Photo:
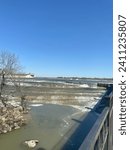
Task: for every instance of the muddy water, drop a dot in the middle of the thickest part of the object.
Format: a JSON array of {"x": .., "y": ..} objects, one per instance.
[{"x": 48, "y": 124}]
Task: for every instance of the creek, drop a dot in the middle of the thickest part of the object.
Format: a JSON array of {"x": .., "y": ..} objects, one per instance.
[{"x": 48, "y": 123}]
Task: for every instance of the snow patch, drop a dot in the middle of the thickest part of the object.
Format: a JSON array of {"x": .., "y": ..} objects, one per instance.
[
  {"x": 81, "y": 108},
  {"x": 84, "y": 85}
]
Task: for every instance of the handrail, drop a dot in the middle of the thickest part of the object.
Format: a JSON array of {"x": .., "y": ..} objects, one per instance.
[
  {"x": 94, "y": 133},
  {"x": 99, "y": 137}
]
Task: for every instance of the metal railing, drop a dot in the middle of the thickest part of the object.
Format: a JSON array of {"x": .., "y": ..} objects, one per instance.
[{"x": 100, "y": 136}]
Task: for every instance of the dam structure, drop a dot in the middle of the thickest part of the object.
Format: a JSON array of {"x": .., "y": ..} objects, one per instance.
[{"x": 70, "y": 112}]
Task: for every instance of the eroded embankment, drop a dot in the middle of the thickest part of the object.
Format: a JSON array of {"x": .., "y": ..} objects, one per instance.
[{"x": 11, "y": 118}]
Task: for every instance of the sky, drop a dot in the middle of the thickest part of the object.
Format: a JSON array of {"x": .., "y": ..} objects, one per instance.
[{"x": 59, "y": 37}]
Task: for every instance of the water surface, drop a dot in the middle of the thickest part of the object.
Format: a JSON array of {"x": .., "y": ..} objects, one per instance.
[{"x": 48, "y": 124}]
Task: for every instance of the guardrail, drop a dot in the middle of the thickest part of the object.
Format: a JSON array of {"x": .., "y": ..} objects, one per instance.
[{"x": 100, "y": 136}]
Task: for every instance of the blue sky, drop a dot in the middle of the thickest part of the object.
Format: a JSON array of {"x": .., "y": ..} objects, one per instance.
[{"x": 59, "y": 37}]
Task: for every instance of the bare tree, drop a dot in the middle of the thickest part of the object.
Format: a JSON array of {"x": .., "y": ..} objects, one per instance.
[
  {"x": 20, "y": 92},
  {"x": 9, "y": 66}
]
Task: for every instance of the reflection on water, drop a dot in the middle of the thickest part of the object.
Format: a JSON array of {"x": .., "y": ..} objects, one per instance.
[{"x": 48, "y": 124}]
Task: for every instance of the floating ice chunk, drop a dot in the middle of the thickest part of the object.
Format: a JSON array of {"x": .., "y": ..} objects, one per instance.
[{"x": 36, "y": 105}]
